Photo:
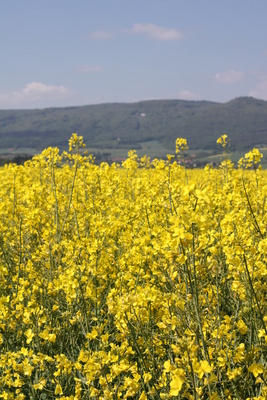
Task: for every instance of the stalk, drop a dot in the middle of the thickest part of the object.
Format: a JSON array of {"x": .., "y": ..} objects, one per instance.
[
  {"x": 70, "y": 200},
  {"x": 254, "y": 294},
  {"x": 252, "y": 212},
  {"x": 54, "y": 188},
  {"x": 196, "y": 306}
]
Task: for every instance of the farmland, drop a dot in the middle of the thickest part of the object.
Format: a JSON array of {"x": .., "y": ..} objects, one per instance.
[{"x": 140, "y": 280}]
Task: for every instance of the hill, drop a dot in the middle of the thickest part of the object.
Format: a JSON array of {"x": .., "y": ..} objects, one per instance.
[{"x": 124, "y": 126}]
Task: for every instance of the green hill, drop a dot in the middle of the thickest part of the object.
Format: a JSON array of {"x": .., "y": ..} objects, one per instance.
[{"x": 146, "y": 125}]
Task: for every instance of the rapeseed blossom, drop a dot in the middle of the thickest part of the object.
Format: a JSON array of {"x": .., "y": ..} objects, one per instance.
[{"x": 130, "y": 281}]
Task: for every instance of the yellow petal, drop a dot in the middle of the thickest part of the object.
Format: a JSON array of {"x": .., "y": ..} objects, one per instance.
[
  {"x": 177, "y": 382},
  {"x": 205, "y": 366},
  {"x": 256, "y": 369}
]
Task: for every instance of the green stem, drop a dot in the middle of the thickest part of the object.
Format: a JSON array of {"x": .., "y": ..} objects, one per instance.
[
  {"x": 251, "y": 211},
  {"x": 70, "y": 200},
  {"x": 55, "y": 193},
  {"x": 196, "y": 306},
  {"x": 254, "y": 294}
]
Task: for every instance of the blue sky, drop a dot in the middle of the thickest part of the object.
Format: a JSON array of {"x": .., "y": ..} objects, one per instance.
[{"x": 57, "y": 53}]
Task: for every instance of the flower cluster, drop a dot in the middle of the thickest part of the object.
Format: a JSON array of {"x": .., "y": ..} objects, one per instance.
[
  {"x": 251, "y": 159},
  {"x": 180, "y": 145},
  {"x": 130, "y": 281},
  {"x": 223, "y": 141}
]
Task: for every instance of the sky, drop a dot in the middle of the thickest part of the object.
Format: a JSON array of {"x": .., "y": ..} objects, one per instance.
[{"x": 57, "y": 53}]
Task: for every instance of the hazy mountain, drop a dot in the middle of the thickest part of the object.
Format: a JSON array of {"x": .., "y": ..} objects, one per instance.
[{"x": 128, "y": 125}]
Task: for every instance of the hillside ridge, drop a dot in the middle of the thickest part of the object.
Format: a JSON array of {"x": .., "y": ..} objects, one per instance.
[{"x": 128, "y": 125}]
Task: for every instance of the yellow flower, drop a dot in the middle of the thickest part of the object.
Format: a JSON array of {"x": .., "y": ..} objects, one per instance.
[
  {"x": 242, "y": 327},
  {"x": 256, "y": 369},
  {"x": 170, "y": 157},
  {"x": 147, "y": 377},
  {"x": 106, "y": 268},
  {"x": 201, "y": 368},
  {"x": 40, "y": 385},
  {"x": 223, "y": 140},
  {"x": 92, "y": 335},
  {"x": 75, "y": 142},
  {"x": 27, "y": 367},
  {"x": 143, "y": 396},
  {"x": 178, "y": 378},
  {"x": 58, "y": 389},
  {"x": 180, "y": 144},
  {"x": 233, "y": 373},
  {"x": 50, "y": 337},
  {"x": 168, "y": 366},
  {"x": 29, "y": 334}
]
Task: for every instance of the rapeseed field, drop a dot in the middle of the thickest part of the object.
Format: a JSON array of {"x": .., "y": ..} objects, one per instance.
[{"x": 135, "y": 281}]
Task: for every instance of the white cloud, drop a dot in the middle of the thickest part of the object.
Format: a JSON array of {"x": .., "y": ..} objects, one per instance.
[
  {"x": 88, "y": 69},
  {"x": 103, "y": 35},
  {"x": 157, "y": 32},
  {"x": 38, "y": 89},
  {"x": 231, "y": 76},
  {"x": 260, "y": 92},
  {"x": 153, "y": 31},
  {"x": 34, "y": 94},
  {"x": 188, "y": 95}
]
